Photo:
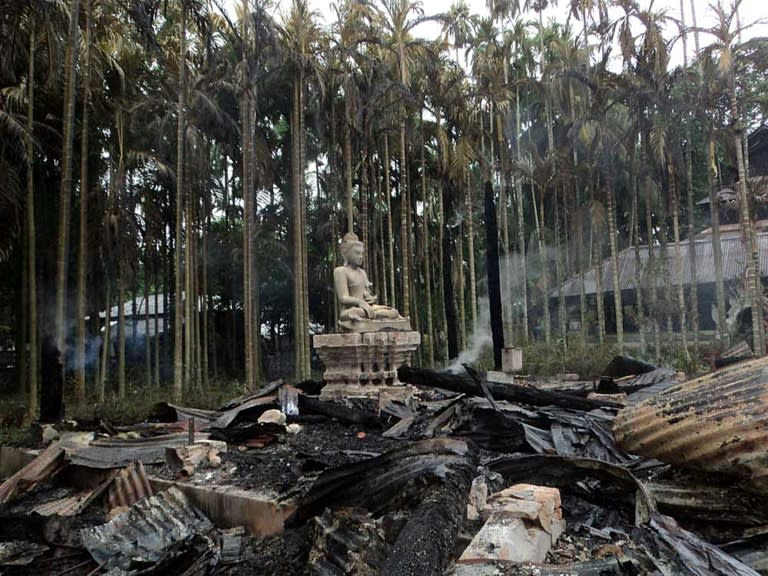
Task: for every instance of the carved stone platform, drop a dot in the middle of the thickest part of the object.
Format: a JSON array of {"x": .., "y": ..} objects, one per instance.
[{"x": 362, "y": 364}]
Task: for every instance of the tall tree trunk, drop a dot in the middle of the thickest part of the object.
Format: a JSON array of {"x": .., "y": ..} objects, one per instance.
[
  {"x": 717, "y": 249},
  {"x": 612, "y": 233},
  {"x": 754, "y": 285},
  {"x": 562, "y": 321},
  {"x": 597, "y": 262},
  {"x": 521, "y": 222},
  {"x": 248, "y": 191},
  {"x": 538, "y": 214},
  {"x": 190, "y": 300},
  {"x": 445, "y": 351},
  {"x": 390, "y": 229},
  {"x": 65, "y": 192},
  {"x": 82, "y": 253},
  {"x": 21, "y": 320},
  {"x": 298, "y": 317},
  {"x": 430, "y": 344},
  {"x": 652, "y": 276},
  {"x": 471, "y": 252},
  {"x": 156, "y": 363},
  {"x": 460, "y": 290},
  {"x": 106, "y": 343},
  {"x": 33, "y": 404},
  {"x": 301, "y": 333},
  {"x": 452, "y": 326},
  {"x": 178, "y": 336},
  {"x": 121, "y": 387},
  {"x": 404, "y": 209},
  {"x": 506, "y": 276},
  {"x": 678, "y": 260},
  {"x": 205, "y": 301},
  {"x": 349, "y": 204},
  {"x": 694, "y": 283},
  {"x": 636, "y": 245},
  {"x": 492, "y": 270},
  {"x": 304, "y": 249},
  {"x": 147, "y": 330}
]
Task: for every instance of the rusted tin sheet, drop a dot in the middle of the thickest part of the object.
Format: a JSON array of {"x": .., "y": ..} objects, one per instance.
[
  {"x": 261, "y": 513},
  {"x": 117, "y": 453},
  {"x": 13, "y": 459},
  {"x": 76, "y": 503},
  {"x": 718, "y": 422},
  {"x": 129, "y": 486},
  {"x": 44, "y": 466}
]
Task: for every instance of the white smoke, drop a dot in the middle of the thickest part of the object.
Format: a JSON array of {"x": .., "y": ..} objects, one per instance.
[{"x": 479, "y": 340}]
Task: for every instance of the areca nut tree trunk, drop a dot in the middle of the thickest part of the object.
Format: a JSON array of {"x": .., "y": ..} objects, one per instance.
[
  {"x": 717, "y": 252},
  {"x": 612, "y": 244},
  {"x": 679, "y": 281},
  {"x": 247, "y": 186},
  {"x": 65, "y": 191},
  {"x": 82, "y": 255},
  {"x": 178, "y": 336},
  {"x": 33, "y": 406}
]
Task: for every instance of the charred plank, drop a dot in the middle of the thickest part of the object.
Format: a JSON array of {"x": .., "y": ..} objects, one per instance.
[{"x": 464, "y": 383}]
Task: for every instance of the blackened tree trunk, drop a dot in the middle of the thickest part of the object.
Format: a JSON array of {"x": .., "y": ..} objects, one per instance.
[
  {"x": 494, "y": 281},
  {"x": 451, "y": 316},
  {"x": 52, "y": 374}
]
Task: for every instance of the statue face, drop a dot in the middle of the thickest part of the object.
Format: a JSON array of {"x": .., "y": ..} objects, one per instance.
[{"x": 355, "y": 255}]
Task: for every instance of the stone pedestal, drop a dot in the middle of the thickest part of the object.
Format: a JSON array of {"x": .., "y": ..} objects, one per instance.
[
  {"x": 511, "y": 362},
  {"x": 363, "y": 364}
]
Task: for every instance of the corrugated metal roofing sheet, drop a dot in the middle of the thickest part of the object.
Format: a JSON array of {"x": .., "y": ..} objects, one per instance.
[
  {"x": 666, "y": 262},
  {"x": 117, "y": 453},
  {"x": 718, "y": 422},
  {"x": 142, "y": 535},
  {"x": 129, "y": 486},
  {"x": 44, "y": 466}
]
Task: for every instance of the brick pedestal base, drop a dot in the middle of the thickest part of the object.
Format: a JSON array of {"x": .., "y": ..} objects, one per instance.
[{"x": 356, "y": 363}]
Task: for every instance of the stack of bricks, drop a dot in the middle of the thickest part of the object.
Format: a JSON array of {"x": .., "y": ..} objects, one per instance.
[{"x": 524, "y": 521}]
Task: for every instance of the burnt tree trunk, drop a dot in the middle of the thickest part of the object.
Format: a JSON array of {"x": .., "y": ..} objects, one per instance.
[
  {"x": 451, "y": 316},
  {"x": 494, "y": 280},
  {"x": 464, "y": 383}
]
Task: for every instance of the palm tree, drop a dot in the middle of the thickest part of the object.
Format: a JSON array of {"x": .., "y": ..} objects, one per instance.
[
  {"x": 301, "y": 37},
  {"x": 179, "y": 364},
  {"x": 82, "y": 255},
  {"x": 725, "y": 35},
  {"x": 400, "y": 19},
  {"x": 31, "y": 264},
  {"x": 65, "y": 190}
]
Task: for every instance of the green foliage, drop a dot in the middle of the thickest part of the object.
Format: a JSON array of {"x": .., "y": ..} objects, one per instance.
[
  {"x": 139, "y": 401},
  {"x": 587, "y": 359}
]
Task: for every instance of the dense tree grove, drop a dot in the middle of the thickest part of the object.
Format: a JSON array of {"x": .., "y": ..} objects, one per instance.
[{"x": 198, "y": 160}]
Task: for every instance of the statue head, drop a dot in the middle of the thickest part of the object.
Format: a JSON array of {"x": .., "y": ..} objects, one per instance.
[{"x": 352, "y": 249}]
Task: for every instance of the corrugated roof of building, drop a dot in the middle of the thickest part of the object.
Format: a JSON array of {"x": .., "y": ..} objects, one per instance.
[
  {"x": 718, "y": 422},
  {"x": 666, "y": 261}
]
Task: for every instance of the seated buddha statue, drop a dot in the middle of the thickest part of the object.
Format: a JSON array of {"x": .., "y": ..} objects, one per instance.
[{"x": 358, "y": 307}]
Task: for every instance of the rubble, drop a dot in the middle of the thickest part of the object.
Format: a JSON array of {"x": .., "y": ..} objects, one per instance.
[
  {"x": 525, "y": 521},
  {"x": 157, "y": 531},
  {"x": 185, "y": 460},
  {"x": 461, "y": 481}
]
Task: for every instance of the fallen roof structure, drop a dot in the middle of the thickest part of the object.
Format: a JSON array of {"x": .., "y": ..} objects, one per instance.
[{"x": 362, "y": 487}]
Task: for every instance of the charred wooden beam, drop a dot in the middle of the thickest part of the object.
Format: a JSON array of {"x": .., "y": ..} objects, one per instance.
[
  {"x": 425, "y": 544},
  {"x": 338, "y": 411},
  {"x": 463, "y": 383},
  {"x": 375, "y": 482}
]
